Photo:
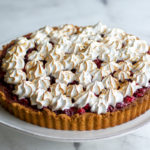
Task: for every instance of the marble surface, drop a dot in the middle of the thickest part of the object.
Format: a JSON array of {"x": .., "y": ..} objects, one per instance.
[{"x": 20, "y": 17}]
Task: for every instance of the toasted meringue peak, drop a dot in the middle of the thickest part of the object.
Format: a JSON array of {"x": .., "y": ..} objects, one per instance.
[
  {"x": 41, "y": 98},
  {"x": 52, "y": 67},
  {"x": 36, "y": 71},
  {"x": 109, "y": 67},
  {"x": 142, "y": 78},
  {"x": 125, "y": 65},
  {"x": 122, "y": 75},
  {"x": 14, "y": 76},
  {"x": 142, "y": 66},
  {"x": 71, "y": 61},
  {"x": 12, "y": 62},
  {"x": 129, "y": 88},
  {"x": 34, "y": 55},
  {"x": 60, "y": 102},
  {"x": 84, "y": 78},
  {"x": 84, "y": 98},
  {"x": 74, "y": 90},
  {"x": 58, "y": 89},
  {"x": 24, "y": 89},
  {"x": 87, "y": 65},
  {"x": 42, "y": 82},
  {"x": 110, "y": 82},
  {"x": 97, "y": 75},
  {"x": 98, "y": 106},
  {"x": 65, "y": 77},
  {"x": 111, "y": 97},
  {"x": 95, "y": 87}
]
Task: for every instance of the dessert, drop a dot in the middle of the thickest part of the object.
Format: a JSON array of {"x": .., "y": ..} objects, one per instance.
[{"x": 76, "y": 78}]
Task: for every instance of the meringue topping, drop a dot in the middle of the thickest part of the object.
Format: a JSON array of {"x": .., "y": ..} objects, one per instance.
[{"x": 69, "y": 53}]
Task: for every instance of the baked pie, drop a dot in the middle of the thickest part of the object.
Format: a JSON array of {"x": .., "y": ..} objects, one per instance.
[{"x": 76, "y": 78}]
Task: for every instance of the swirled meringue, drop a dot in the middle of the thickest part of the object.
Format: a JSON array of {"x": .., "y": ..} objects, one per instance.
[
  {"x": 95, "y": 87},
  {"x": 53, "y": 67},
  {"x": 36, "y": 71},
  {"x": 41, "y": 98},
  {"x": 24, "y": 42},
  {"x": 74, "y": 90},
  {"x": 12, "y": 62},
  {"x": 113, "y": 43},
  {"x": 44, "y": 48},
  {"x": 84, "y": 78},
  {"x": 35, "y": 56},
  {"x": 42, "y": 82},
  {"x": 87, "y": 97},
  {"x": 122, "y": 75},
  {"x": 58, "y": 89},
  {"x": 140, "y": 46},
  {"x": 65, "y": 77},
  {"x": 87, "y": 65},
  {"x": 117, "y": 33},
  {"x": 14, "y": 76},
  {"x": 110, "y": 82},
  {"x": 129, "y": 88},
  {"x": 98, "y": 106},
  {"x": 108, "y": 55},
  {"x": 111, "y": 97},
  {"x": 60, "y": 102},
  {"x": 24, "y": 89},
  {"x": 142, "y": 78},
  {"x": 39, "y": 36},
  {"x": 142, "y": 66},
  {"x": 125, "y": 65},
  {"x": 18, "y": 50},
  {"x": 71, "y": 61},
  {"x": 109, "y": 67},
  {"x": 97, "y": 75}
]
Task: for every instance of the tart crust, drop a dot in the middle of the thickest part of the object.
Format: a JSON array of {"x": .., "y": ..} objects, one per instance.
[{"x": 87, "y": 121}]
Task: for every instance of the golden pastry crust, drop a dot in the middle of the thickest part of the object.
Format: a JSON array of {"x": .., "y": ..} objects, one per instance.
[{"x": 87, "y": 121}]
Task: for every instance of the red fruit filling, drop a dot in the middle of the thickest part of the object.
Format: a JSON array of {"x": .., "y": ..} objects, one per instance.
[
  {"x": 28, "y": 52},
  {"x": 98, "y": 62},
  {"x": 140, "y": 92},
  {"x": 119, "y": 105},
  {"x": 74, "y": 82},
  {"x": 52, "y": 79},
  {"x": 87, "y": 107},
  {"x": 24, "y": 101},
  {"x": 129, "y": 99},
  {"x": 73, "y": 70},
  {"x": 81, "y": 111},
  {"x": 110, "y": 108}
]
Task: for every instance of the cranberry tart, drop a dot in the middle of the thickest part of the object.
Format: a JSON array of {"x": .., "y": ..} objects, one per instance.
[{"x": 75, "y": 78}]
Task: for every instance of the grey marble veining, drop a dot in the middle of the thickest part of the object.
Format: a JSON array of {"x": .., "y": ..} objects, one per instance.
[{"x": 18, "y": 17}]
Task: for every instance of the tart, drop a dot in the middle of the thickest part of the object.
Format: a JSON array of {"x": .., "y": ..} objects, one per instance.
[{"x": 75, "y": 78}]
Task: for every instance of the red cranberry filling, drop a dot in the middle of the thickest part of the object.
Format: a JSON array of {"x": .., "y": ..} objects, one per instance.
[
  {"x": 110, "y": 108},
  {"x": 24, "y": 101},
  {"x": 81, "y": 111},
  {"x": 98, "y": 62},
  {"x": 73, "y": 70},
  {"x": 140, "y": 92},
  {"x": 74, "y": 82},
  {"x": 119, "y": 105},
  {"x": 52, "y": 79},
  {"x": 129, "y": 99},
  {"x": 28, "y": 52}
]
